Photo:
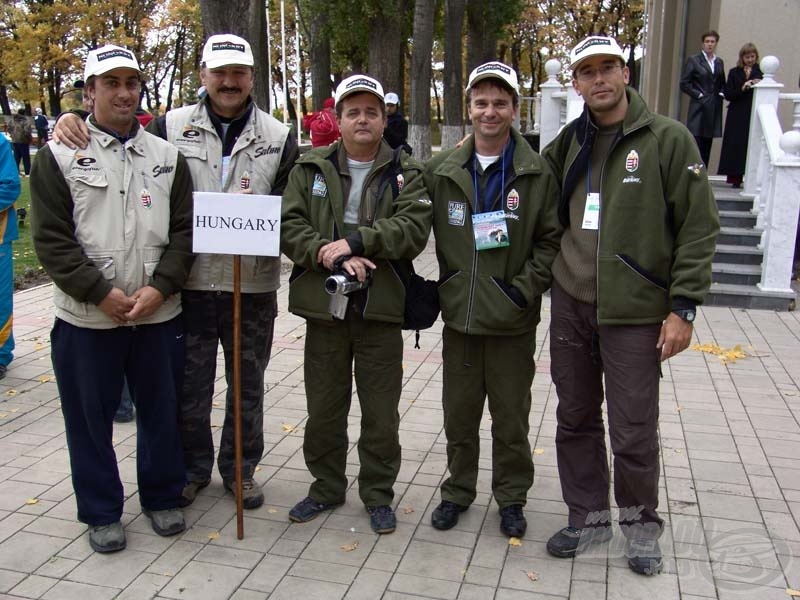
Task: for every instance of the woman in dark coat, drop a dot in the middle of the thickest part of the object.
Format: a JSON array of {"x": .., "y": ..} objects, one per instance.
[{"x": 739, "y": 92}]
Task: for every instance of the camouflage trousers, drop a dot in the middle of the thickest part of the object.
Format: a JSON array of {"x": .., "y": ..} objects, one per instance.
[{"x": 208, "y": 320}]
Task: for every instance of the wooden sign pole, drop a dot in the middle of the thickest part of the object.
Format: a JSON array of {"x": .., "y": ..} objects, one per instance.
[{"x": 237, "y": 391}]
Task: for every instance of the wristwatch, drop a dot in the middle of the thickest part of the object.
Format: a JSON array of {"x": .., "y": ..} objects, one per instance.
[{"x": 687, "y": 314}]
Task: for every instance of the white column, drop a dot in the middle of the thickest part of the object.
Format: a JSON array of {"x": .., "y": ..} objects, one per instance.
[
  {"x": 765, "y": 92},
  {"x": 549, "y": 117}
]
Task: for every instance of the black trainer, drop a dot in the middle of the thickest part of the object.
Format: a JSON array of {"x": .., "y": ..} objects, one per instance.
[
  {"x": 308, "y": 509},
  {"x": 445, "y": 516},
  {"x": 512, "y": 520},
  {"x": 571, "y": 541},
  {"x": 644, "y": 556},
  {"x": 382, "y": 519}
]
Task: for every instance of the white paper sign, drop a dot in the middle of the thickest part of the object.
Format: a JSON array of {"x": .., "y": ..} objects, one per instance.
[{"x": 247, "y": 224}]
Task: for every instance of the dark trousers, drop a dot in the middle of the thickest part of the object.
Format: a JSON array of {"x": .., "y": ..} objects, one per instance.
[
  {"x": 208, "y": 320},
  {"x": 582, "y": 354},
  {"x": 334, "y": 352},
  {"x": 89, "y": 365},
  {"x": 23, "y": 152},
  {"x": 500, "y": 368},
  {"x": 704, "y": 145}
]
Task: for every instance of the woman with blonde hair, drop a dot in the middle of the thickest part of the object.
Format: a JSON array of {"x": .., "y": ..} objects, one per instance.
[{"x": 739, "y": 93}]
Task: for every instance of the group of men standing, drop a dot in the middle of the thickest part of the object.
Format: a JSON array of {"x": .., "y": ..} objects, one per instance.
[{"x": 617, "y": 211}]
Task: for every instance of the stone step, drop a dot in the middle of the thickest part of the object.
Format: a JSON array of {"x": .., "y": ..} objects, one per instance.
[
  {"x": 737, "y": 218},
  {"x": 748, "y": 296},
  {"x": 733, "y": 202},
  {"x": 738, "y": 236},
  {"x": 735, "y": 273},
  {"x": 735, "y": 254}
]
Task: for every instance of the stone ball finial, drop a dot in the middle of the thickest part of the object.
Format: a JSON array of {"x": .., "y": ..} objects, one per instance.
[
  {"x": 790, "y": 144},
  {"x": 552, "y": 67},
  {"x": 769, "y": 66}
]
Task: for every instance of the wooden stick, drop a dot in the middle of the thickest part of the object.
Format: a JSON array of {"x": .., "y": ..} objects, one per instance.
[{"x": 237, "y": 391}]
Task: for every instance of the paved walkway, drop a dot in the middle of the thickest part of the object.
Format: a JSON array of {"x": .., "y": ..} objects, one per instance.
[{"x": 730, "y": 489}]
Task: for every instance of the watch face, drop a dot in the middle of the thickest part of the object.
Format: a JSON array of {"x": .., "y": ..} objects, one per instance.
[{"x": 689, "y": 315}]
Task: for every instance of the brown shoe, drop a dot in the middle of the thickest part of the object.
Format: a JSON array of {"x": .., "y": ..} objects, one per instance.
[
  {"x": 252, "y": 496},
  {"x": 189, "y": 492}
]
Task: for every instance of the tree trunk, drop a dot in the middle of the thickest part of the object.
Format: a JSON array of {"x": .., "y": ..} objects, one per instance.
[
  {"x": 247, "y": 19},
  {"x": 385, "y": 38},
  {"x": 320, "y": 55},
  {"x": 453, "y": 84},
  {"x": 5, "y": 107},
  {"x": 481, "y": 42},
  {"x": 419, "y": 135}
]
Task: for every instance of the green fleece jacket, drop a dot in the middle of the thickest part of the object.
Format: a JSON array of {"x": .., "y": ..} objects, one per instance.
[
  {"x": 391, "y": 233},
  {"x": 496, "y": 291},
  {"x": 658, "y": 218}
]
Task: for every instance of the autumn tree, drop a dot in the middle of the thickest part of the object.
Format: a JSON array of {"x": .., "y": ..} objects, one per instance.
[{"x": 419, "y": 133}]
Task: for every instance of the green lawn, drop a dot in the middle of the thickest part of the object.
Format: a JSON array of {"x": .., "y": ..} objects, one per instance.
[{"x": 26, "y": 265}]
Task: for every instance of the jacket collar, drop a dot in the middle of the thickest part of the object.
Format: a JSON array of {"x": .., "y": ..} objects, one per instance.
[
  {"x": 525, "y": 160},
  {"x": 106, "y": 136}
]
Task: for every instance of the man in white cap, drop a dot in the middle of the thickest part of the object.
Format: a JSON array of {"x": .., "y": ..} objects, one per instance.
[
  {"x": 230, "y": 146},
  {"x": 396, "y": 131},
  {"x": 357, "y": 208},
  {"x": 496, "y": 230},
  {"x": 112, "y": 226},
  {"x": 640, "y": 227}
]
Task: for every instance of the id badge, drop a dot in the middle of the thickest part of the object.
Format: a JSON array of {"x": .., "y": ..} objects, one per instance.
[
  {"x": 490, "y": 230},
  {"x": 591, "y": 214},
  {"x": 226, "y": 165}
]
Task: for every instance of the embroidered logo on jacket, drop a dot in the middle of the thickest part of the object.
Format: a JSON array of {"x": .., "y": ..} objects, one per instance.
[
  {"x": 147, "y": 200},
  {"x": 512, "y": 200},
  {"x": 401, "y": 181},
  {"x": 632, "y": 161}
]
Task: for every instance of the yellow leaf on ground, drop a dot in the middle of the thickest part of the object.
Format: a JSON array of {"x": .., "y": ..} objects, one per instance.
[
  {"x": 287, "y": 428},
  {"x": 213, "y": 535},
  {"x": 678, "y": 450},
  {"x": 350, "y": 547},
  {"x": 39, "y": 347},
  {"x": 272, "y": 511},
  {"x": 408, "y": 510},
  {"x": 515, "y": 541},
  {"x": 726, "y": 355},
  {"x": 793, "y": 593},
  {"x": 215, "y": 403},
  {"x": 532, "y": 575},
  {"x": 257, "y": 469},
  {"x": 538, "y": 451},
  {"x": 46, "y": 378},
  {"x": 3, "y": 415},
  {"x": 11, "y": 393},
  {"x": 32, "y": 501}
]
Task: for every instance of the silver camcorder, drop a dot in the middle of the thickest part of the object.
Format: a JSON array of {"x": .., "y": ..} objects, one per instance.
[{"x": 339, "y": 285}]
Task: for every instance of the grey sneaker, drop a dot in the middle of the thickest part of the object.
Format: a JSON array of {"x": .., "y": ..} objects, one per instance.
[
  {"x": 252, "y": 496},
  {"x": 107, "y": 538},
  {"x": 166, "y": 522},
  {"x": 189, "y": 492}
]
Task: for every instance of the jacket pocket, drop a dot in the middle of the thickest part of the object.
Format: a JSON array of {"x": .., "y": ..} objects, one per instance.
[
  {"x": 642, "y": 272},
  {"x": 106, "y": 265},
  {"x": 150, "y": 259},
  {"x": 628, "y": 294}
]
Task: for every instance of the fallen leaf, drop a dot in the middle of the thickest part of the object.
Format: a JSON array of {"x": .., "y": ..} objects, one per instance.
[
  {"x": 3, "y": 415},
  {"x": 46, "y": 378},
  {"x": 793, "y": 593},
  {"x": 678, "y": 450},
  {"x": 515, "y": 541},
  {"x": 257, "y": 468},
  {"x": 272, "y": 511},
  {"x": 11, "y": 393},
  {"x": 215, "y": 403},
  {"x": 538, "y": 451},
  {"x": 287, "y": 428},
  {"x": 13, "y": 410},
  {"x": 39, "y": 347},
  {"x": 213, "y": 535},
  {"x": 680, "y": 408},
  {"x": 726, "y": 355},
  {"x": 532, "y": 575},
  {"x": 350, "y": 547},
  {"x": 408, "y": 510},
  {"x": 32, "y": 501},
  {"x": 168, "y": 574}
]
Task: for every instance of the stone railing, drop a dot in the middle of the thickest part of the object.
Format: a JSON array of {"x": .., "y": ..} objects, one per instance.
[
  {"x": 558, "y": 106},
  {"x": 772, "y": 178}
]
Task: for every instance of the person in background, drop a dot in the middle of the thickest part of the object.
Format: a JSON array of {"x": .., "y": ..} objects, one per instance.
[
  {"x": 703, "y": 80},
  {"x": 41, "y": 124},
  {"x": 21, "y": 137},
  {"x": 396, "y": 132},
  {"x": 739, "y": 94},
  {"x": 322, "y": 125},
  {"x": 9, "y": 192},
  {"x": 112, "y": 226}
]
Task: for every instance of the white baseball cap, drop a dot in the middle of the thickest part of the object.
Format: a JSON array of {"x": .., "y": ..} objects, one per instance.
[
  {"x": 358, "y": 83},
  {"x": 227, "y": 49},
  {"x": 109, "y": 57},
  {"x": 494, "y": 70},
  {"x": 594, "y": 45},
  {"x": 392, "y": 98}
]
